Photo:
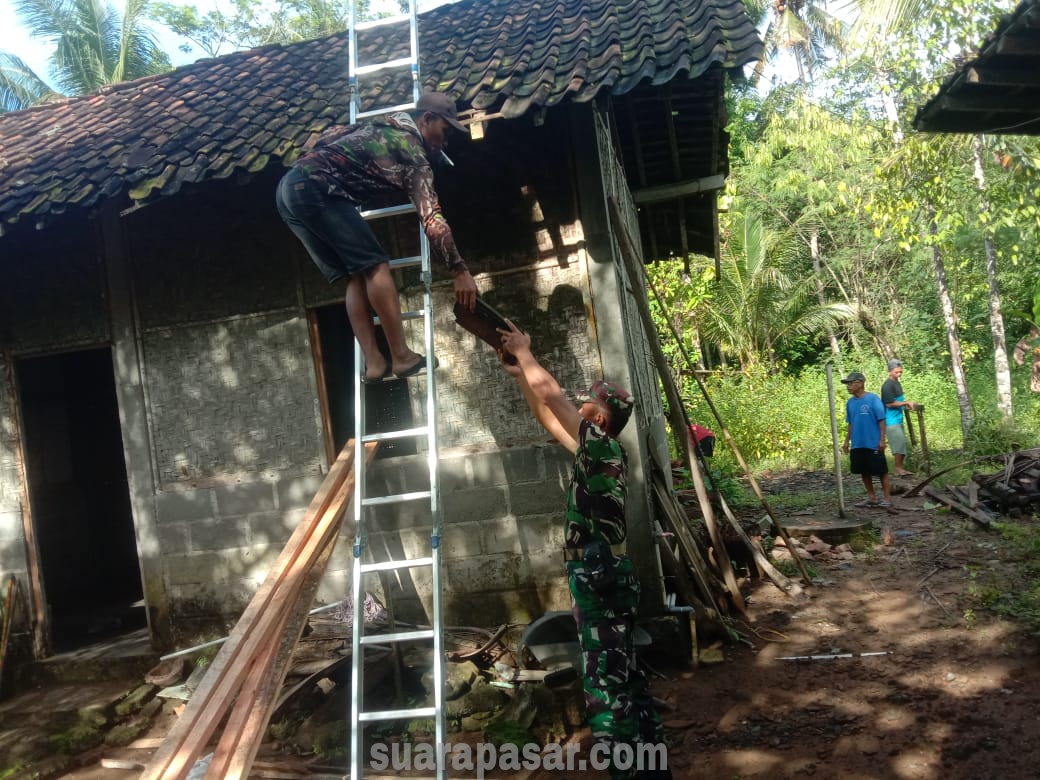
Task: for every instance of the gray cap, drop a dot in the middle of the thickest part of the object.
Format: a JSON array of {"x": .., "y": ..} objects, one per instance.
[
  {"x": 893, "y": 363},
  {"x": 443, "y": 106}
]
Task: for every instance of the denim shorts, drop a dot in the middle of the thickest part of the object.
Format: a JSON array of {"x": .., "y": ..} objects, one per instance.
[{"x": 335, "y": 235}]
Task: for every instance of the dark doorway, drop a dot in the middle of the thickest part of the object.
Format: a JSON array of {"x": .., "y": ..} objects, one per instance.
[
  {"x": 79, "y": 497},
  {"x": 386, "y": 405}
]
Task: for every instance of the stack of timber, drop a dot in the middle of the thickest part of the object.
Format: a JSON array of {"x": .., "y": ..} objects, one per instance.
[
  {"x": 243, "y": 681},
  {"x": 1017, "y": 485},
  {"x": 1014, "y": 488}
]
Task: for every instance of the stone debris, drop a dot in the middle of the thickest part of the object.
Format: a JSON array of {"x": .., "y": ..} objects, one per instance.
[{"x": 815, "y": 549}]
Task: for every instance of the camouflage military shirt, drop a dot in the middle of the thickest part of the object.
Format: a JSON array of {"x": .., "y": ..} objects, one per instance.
[
  {"x": 361, "y": 161},
  {"x": 596, "y": 499}
]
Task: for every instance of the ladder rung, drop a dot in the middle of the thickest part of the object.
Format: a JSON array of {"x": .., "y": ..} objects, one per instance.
[
  {"x": 386, "y": 110},
  {"x": 418, "y": 314},
  {"x": 417, "y": 712},
  {"x": 395, "y": 565},
  {"x": 399, "y": 498},
  {"x": 406, "y": 262},
  {"x": 388, "y": 211},
  {"x": 397, "y": 636},
  {"x": 400, "y": 62},
  {"x": 369, "y": 24},
  {"x": 408, "y": 433}
]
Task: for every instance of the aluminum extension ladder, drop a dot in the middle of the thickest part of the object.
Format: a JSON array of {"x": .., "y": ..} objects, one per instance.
[{"x": 359, "y": 716}]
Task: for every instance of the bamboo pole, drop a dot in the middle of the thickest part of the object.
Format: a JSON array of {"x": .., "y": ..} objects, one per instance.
[
  {"x": 834, "y": 440},
  {"x": 675, "y": 412},
  {"x": 725, "y": 431}
]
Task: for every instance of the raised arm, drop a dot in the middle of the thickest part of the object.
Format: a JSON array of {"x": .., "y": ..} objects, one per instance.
[{"x": 540, "y": 389}]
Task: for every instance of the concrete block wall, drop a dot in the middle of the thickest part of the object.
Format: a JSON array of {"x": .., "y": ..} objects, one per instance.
[
  {"x": 503, "y": 535},
  {"x": 218, "y": 543}
]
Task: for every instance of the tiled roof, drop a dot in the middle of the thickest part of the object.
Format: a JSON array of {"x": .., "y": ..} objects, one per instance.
[{"x": 248, "y": 110}]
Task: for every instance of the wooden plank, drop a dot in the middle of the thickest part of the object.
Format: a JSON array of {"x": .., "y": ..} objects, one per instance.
[
  {"x": 177, "y": 754},
  {"x": 947, "y": 500},
  {"x": 691, "y": 552},
  {"x": 251, "y": 713},
  {"x": 260, "y": 707}
]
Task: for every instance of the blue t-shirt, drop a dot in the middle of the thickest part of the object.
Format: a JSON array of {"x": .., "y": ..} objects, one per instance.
[{"x": 863, "y": 415}]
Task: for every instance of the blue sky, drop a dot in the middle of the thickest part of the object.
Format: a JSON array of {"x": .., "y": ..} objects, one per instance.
[{"x": 15, "y": 39}]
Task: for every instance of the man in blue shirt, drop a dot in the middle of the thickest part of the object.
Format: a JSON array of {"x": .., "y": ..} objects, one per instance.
[{"x": 865, "y": 439}]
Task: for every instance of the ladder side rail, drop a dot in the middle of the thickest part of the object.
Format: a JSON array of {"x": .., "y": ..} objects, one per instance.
[
  {"x": 353, "y": 89},
  {"x": 413, "y": 39},
  {"x": 436, "y": 530},
  {"x": 357, "y": 589}
]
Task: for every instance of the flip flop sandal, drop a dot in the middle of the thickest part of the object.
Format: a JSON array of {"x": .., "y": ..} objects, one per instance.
[
  {"x": 884, "y": 504},
  {"x": 418, "y": 368},
  {"x": 377, "y": 380},
  {"x": 866, "y": 503}
]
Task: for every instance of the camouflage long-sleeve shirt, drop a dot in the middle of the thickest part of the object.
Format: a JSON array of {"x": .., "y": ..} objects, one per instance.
[
  {"x": 596, "y": 499},
  {"x": 373, "y": 158}
]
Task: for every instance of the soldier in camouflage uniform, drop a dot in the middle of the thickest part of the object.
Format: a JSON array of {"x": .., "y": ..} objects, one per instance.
[
  {"x": 319, "y": 199},
  {"x": 604, "y": 586}
]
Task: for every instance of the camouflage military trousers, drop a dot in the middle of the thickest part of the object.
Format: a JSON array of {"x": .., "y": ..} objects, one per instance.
[{"x": 618, "y": 705}]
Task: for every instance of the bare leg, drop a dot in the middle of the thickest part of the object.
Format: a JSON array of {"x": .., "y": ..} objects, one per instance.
[
  {"x": 381, "y": 293},
  {"x": 886, "y": 487},
  {"x": 359, "y": 313},
  {"x": 868, "y": 483},
  {"x": 900, "y": 471}
]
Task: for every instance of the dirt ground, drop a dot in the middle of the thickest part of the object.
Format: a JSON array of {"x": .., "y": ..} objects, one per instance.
[{"x": 956, "y": 693}]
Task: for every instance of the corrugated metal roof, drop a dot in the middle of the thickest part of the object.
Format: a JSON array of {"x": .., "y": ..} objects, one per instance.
[{"x": 251, "y": 109}]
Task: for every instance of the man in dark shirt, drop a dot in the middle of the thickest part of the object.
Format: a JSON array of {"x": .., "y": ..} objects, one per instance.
[
  {"x": 319, "y": 199},
  {"x": 604, "y": 586},
  {"x": 895, "y": 402}
]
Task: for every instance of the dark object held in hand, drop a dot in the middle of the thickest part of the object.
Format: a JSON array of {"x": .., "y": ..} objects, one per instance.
[{"x": 484, "y": 324}]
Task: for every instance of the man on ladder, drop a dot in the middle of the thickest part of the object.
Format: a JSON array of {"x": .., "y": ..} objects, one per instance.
[{"x": 319, "y": 198}]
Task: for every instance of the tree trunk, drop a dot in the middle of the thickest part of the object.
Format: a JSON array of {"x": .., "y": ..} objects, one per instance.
[
  {"x": 952, "y": 339},
  {"x": 996, "y": 315},
  {"x": 814, "y": 250}
]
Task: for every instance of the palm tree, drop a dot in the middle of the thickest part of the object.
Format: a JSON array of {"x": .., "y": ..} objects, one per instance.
[
  {"x": 757, "y": 305},
  {"x": 802, "y": 28},
  {"x": 93, "y": 46}
]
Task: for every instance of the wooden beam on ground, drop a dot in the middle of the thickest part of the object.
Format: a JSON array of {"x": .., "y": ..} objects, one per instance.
[
  {"x": 208, "y": 705},
  {"x": 948, "y": 500}
]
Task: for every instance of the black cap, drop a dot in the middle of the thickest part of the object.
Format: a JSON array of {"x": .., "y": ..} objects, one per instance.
[{"x": 443, "y": 106}]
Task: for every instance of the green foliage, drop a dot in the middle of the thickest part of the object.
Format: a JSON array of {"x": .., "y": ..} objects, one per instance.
[
  {"x": 94, "y": 45},
  {"x": 251, "y": 23},
  {"x": 782, "y": 420}
]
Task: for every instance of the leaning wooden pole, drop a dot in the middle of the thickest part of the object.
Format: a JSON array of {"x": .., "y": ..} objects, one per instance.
[
  {"x": 675, "y": 413},
  {"x": 732, "y": 444}
]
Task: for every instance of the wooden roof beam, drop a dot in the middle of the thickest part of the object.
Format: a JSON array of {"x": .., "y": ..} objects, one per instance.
[
  {"x": 679, "y": 189},
  {"x": 1003, "y": 76}
]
